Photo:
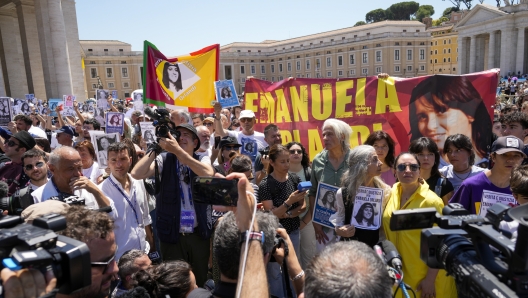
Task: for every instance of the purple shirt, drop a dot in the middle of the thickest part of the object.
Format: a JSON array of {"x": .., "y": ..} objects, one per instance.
[
  {"x": 388, "y": 177},
  {"x": 470, "y": 192}
]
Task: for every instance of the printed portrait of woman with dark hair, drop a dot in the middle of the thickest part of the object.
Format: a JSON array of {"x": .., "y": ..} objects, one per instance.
[
  {"x": 172, "y": 78},
  {"x": 441, "y": 106}
]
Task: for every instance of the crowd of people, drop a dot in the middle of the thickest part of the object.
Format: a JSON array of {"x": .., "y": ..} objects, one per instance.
[{"x": 148, "y": 238}]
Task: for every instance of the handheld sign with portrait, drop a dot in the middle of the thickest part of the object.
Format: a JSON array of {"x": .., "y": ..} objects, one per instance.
[
  {"x": 137, "y": 96},
  {"x": 367, "y": 208},
  {"x": 114, "y": 94},
  {"x": 114, "y": 122},
  {"x": 325, "y": 204},
  {"x": 100, "y": 97},
  {"x": 52, "y": 105},
  {"x": 148, "y": 132},
  {"x": 68, "y": 105},
  {"x": 5, "y": 111},
  {"x": 30, "y": 98},
  {"x": 101, "y": 142},
  {"x": 490, "y": 198},
  {"x": 226, "y": 93}
]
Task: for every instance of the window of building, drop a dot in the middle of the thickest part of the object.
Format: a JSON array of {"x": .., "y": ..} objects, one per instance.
[
  {"x": 106, "y": 50},
  {"x": 124, "y": 72},
  {"x": 409, "y": 43},
  {"x": 298, "y": 65},
  {"x": 365, "y": 58},
  {"x": 281, "y": 78},
  {"x": 121, "y": 50},
  {"x": 92, "y": 62},
  {"x": 397, "y": 68},
  {"x": 352, "y": 59},
  {"x": 449, "y": 41},
  {"x": 126, "y": 85},
  {"x": 253, "y": 69},
  {"x": 243, "y": 80},
  {"x": 263, "y": 78},
  {"x": 108, "y": 62},
  {"x": 328, "y": 74},
  {"x": 273, "y": 79},
  {"x": 454, "y": 68},
  {"x": 288, "y": 67},
  {"x": 94, "y": 86},
  {"x": 307, "y": 75},
  {"x": 436, "y": 42},
  {"x": 272, "y": 68},
  {"x": 340, "y": 73},
  {"x": 364, "y": 47},
  {"x": 396, "y": 43},
  {"x": 378, "y": 69},
  {"x": 262, "y": 69},
  {"x": 352, "y": 72},
  {"x": 378, "y": 45},
  {"x": 449, "y": 51},
  {"x": 317, "y": 64},
  {"x": 436, "y": 61},
  {"x": 317, "y": 75},
  {"x": 422, "y": 54},
  {"x": 444, "y": 60},
  {"x": 444, "y": 51},
  {"x": 409, "y": 54},
  {"x": 409, "y": 67},
  {"x": 422, "y": 67},
  {"x": 111, "y": 85},
  {"x": 448, "y": 59},
  {"x": 242, "y": 69},
  {"x": 339, "y": 60},
  {"x": 109, "y": 73},
  {"x": 90, "y": 50},
  {"x": 280, "y": 67},
  {"x": 123, "y": 62},
  {"x": 364, "y": 71},
  {"x": 378, "y": 56},
  {"x": 328, "y": 61},
  {"x": 397, "y": 55},
  {"x": 445, "y": 42},
  {"x": 308, "y": 64}
]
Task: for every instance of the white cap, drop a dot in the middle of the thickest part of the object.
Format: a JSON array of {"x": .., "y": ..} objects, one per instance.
[{"x": 246, "y": 114}]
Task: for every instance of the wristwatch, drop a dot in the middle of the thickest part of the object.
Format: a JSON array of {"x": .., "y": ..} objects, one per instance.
[{"x": 259, "y": 236}]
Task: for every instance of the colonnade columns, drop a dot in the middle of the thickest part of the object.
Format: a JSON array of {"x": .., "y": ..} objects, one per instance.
[
  {"x": 2, "y": 86},
  {"x": 472, "y": 53},
  {"x": 506, "y": 44},
  {"x": 491, "y": 50},
  {"x": 59, "y": 48},
  {"x": 14, "y": 72},
  {"x": 519, "y": 60},
  {"x": 30, "y": 48},
  {"x": 74, "y": 47}
]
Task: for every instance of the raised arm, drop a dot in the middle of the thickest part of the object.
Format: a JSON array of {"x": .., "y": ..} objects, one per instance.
[
  {"x": 199, "y": 168},
  {"x": 79, "y": 114},
  {"x": 144, "y": 168},
  {"x": 219, "y": 130}
]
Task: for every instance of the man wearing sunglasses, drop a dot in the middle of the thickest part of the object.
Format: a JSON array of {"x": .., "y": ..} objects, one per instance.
[
  {"x": 35, "y": 166},
  {"x": 11, "y": 172}
]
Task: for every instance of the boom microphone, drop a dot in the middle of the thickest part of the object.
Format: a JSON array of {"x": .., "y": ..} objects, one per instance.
[
  {"x": 150, "y": 112},
  {"x": 391, "y": 254}
]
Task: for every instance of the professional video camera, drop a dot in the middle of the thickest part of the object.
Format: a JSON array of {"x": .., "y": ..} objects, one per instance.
[
  {"x": 462, "y": 245},
  {"x": 36, "y": 245},
  {"x": 161, "y": 122}
]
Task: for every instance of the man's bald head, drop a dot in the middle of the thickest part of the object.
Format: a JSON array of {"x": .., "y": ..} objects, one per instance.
[
  {"x": 63, "y": 153},
  {"x": 180, "y": 117}
]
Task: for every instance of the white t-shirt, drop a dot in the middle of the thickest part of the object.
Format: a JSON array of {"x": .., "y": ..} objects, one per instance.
[
  {"x": 93, "y": 172},
  {"x": 457, "y": 179},
  {"x": 54, "y": 143},
  {"x": 250, "y": 144}
]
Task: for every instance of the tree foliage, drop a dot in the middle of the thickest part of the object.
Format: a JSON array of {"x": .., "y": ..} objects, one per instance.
[
  {"x": 402, "y": 10},
  {"x": 359, "y": 23},
  {"x": 440, "y": 21},
  {"x": 447, "y": 12},
  {"x": 424, "y": 11},
  {"x": 375, "y": 15}
]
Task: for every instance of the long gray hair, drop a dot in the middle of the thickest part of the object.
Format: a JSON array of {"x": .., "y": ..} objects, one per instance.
[{"x": 358, "y": 162}]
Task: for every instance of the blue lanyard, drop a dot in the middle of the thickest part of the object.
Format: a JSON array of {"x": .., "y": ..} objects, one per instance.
[
  {"x": 59, "y": 193},
  {"x": 182, "y": 197},
  {"x": 126, "y": 198}
]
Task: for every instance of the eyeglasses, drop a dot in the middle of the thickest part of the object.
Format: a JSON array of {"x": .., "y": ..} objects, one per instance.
[
  {"x": 104, "y": 264},
  {"x": 10, "y": 143},
  {"x": 295, "y": 151},
  {"x": 244, "y": 120},
  {"x": 402, "y": 167},
  {"x": 38, "y": 165},
  {"x": 208, "y": 124},
  {"x": 230, "y": 147}
]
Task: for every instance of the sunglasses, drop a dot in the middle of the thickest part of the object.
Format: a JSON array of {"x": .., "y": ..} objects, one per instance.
[
  {"x": 38, "y": 165},
  {"x": 230, "y": 147},
  {"x": 10, "y": 143},
  {"x": 402, "y": 167},
  {"x": 208, "y": 124},
  {"x": 104, "y": 264},
  {"x": 295, "y": 151}
]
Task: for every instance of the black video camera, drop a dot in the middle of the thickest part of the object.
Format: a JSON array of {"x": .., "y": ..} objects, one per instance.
[
  {"x": 462, "y": 245},
  {"x": 16, "y": 203},
  {"x": 162, "y": 122},
  {"x": 37, "y": 246}
]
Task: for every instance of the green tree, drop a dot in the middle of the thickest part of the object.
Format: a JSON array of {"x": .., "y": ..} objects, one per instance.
[
  {"x": 402, "y": 10},
  {"x": 375, "y": 15},
  {"x": 447, "y": 12},
  {"x": 440, "y": 21},
  {"x": 424, "y": 11},
  {"x": 359, "y": 23}
]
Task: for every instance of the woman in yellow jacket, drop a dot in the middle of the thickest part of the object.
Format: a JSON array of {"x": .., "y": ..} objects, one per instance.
[{"x": 412, "y": 192}]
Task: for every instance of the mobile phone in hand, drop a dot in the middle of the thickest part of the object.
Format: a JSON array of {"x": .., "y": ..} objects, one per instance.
[
  {"x": 215, "y": 191},
  {"x": 217, "y": 142}
]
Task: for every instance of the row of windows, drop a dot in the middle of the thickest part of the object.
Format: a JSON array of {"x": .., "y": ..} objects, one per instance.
[
  {"x": 445, "y": 60},
  {"x": 422, "y": 43},
  {"x": 111, "y": 85},
  {"x": 445, "y": 41},
  {"x": 109, "y": 72},
  {"x": 340, "y": 73},
  {"x": 446, "y": 51},
  {"x": 340, "y": 62},
  {"x": 108, "y": 62}
]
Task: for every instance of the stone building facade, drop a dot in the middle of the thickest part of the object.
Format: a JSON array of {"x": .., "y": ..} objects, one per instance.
[{"x": 39, "y": 49}]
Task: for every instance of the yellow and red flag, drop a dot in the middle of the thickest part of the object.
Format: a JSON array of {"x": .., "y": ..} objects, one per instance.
[{"x": 185, "y": 81}]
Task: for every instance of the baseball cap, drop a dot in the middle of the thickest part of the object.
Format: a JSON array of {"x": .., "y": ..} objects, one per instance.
[
  {"x": 508, "y": 144},
  {"x": 193, "y": 130},
  {"x": 66, "y": 129},
  {"x": 246, "y": 114},
  {"x": 25, "y": 139},
  {"x": 229, "y": 141}
]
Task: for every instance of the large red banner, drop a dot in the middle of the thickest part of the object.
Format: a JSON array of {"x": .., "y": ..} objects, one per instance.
[{"x": 431, "y": 106}]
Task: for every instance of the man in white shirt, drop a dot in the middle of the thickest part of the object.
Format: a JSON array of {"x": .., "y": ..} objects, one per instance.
[
  {"x": 66, "y": 165},
  {"x": 132, "y": 222},
  {"x": 252, "y": 141}
]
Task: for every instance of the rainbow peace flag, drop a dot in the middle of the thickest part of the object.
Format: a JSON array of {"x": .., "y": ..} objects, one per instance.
[{"x": 182, "y": 82}]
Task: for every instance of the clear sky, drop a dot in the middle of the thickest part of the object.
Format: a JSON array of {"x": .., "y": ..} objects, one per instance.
[{"x": 178, "y": 27}]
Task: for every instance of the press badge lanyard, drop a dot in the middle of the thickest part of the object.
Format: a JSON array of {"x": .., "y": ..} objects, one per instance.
[{"x": 127, "y": 199}]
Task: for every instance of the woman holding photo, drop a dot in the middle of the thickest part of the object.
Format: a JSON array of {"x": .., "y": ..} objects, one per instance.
[
  {"x": 364, "y": 169},
  {"x": 412, "y": 192}
]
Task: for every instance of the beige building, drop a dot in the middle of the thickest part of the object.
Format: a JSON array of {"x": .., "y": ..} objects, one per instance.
[
  {"x": 399, "y": 48},
  {"x": 39, "y": 49},
  {"x": 113, "y": 65}
]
